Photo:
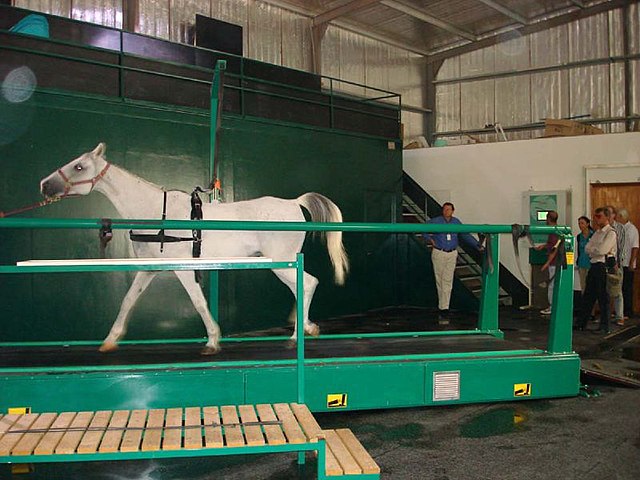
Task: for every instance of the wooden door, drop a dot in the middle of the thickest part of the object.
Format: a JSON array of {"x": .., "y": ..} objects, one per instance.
[{"x": 621, "y": 195}]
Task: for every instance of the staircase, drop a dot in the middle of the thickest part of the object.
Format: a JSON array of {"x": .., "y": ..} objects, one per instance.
[{"x": 418, "y": 206}]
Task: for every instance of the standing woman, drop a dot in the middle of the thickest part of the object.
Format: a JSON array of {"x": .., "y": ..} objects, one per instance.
[{"x": 583, "y": 261}]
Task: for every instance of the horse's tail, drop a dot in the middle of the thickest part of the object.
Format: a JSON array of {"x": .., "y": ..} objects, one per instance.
[{"x": 324, "y": 210}]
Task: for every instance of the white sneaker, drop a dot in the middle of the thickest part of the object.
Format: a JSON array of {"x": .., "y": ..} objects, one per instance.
[{"x": 546, "y": 311}]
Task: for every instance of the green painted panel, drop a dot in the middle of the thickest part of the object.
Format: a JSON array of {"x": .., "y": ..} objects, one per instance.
[
  {"x": 169, "y": 146},
  {"x": 493, "y": 379},
  {"x": 118, "y": 390}
]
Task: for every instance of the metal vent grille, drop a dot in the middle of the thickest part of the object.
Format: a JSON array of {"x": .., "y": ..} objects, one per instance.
[{"x": 446, "y": 386}]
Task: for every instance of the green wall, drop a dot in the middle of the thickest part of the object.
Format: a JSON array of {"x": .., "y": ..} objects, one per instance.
[{"x": 169, "y": 146}]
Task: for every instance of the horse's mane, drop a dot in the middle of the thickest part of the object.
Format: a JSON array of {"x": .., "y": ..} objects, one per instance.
[{"x": 144, "y": 180}]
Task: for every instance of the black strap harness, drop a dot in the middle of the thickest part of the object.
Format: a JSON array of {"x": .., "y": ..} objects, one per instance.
[{"x": 161, "y": 237}]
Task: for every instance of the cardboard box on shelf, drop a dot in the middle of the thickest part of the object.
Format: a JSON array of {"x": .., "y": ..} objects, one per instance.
[{"x": 564, "y": 128}]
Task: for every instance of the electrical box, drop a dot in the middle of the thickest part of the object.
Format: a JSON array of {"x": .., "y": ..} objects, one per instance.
[{"x": 535, "y": 206}]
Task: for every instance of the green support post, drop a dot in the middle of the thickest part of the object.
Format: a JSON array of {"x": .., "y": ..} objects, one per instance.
[
  {"x": 216, "y": 114},
  {"x": 560, "y": 331},
  {"x": 488, "y": 317},
  {"x": 300, "y": 323}
]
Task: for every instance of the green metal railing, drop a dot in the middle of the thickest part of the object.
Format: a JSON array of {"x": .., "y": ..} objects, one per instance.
[
  {"x": 561, "y": 319},
  {"x": 382, "y": 99}
]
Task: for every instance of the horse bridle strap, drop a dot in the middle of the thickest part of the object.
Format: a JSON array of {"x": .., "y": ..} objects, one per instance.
[{"x": 68, "y": 184}]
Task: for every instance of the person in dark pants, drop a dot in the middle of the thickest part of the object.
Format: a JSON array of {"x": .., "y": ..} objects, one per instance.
[
  {"x": 628, "y": 262},
  {"x": 603, "y": 244}
]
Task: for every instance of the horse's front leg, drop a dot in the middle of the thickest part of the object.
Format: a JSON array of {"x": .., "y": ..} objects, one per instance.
[
  {"x": 200, "y": 303},
  {"x": 139, "y": 285}
]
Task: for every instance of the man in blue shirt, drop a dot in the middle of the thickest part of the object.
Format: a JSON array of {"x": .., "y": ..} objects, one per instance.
[{"x": 445, "y": 254}]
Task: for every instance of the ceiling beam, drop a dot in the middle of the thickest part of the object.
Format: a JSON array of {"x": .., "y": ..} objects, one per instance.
[
  {"x": 578, "y": 3},
  {"x": 334, "y": 13},
  {"x": 533, "y": 27},
  {"x": 425, "y": 17},
  {"x": 505, "y": 11},
  {"x": 356, "y": 27}
]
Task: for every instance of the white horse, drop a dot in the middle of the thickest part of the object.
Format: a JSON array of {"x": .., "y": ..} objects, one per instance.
[{"x": 134, "y": 197}]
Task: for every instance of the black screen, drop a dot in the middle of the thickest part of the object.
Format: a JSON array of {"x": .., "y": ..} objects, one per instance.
[{"x": 218, "y": 35}]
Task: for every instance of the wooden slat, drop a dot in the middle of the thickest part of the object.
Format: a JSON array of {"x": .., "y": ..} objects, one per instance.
[
  {"x": 289, "y": 423},
  {"x": 331, "y": 465},
  {"x": 131, "y": 439},
  {"x": 307, "y": 421},
  {"x": 71, "y": 439},
  {"x": 28, "y": 442},
  {"x": 91, "y": 439},
  {"x": 358, "y": 452},
  {"x": 253, "y": 433},
  {"x": 173, "y": 436},
  {"x": 6, "y": 422},
  {"x": 232, "y": 433},
  {"x": 153, "y": 431},
  {"x": 274, "y": 433},
  {"x": 111, "y": 439},
  {"x": 212, "y": 435},
  {"x": 342, "y": 454},
  {"x": 13, "y": 434},
  {"x": 51, "y": 439},
  {"x": 192, "y": 436}
]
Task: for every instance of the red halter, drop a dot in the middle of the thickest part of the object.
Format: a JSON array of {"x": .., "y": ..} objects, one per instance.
[{"x": 92, "y": 181}]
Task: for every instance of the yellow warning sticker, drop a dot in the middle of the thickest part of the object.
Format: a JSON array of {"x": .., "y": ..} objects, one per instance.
[
  {"x": 521, "y": 389},
  {"x": 18, "y": 410},
  {"x": 569, "y": 258},
  {"x": 336, "y": 400}
]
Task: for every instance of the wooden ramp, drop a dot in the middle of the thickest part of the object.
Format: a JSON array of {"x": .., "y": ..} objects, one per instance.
[{"x": 181, "y": 432}]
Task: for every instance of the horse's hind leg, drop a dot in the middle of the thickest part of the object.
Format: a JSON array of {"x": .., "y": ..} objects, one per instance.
[
  {"x": 288, "y": 277},
  {"x": 139, "y": 285},
  {"x": 200, "y": 303}
]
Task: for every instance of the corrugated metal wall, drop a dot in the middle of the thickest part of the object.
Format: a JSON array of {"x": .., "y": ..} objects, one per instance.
[
  {"x": 596, "y": 91},
  {"x": 274, "y": 35}
]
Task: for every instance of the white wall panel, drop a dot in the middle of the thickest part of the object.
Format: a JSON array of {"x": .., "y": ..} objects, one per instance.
[
  {"x": 478, "y": 62},
  {"x": 54, "y": 7},
  {"x": 448, "y": 107},
  {"x": 634, "y": 28},
  {"x": 153, "y": 18},
  {"x": 512, "y": 55},
  {"x": 512, "y": 98},
  {"x": 265, "y": 33},
  {"x": 183, "y": 17},
  {"x": 331, "y": 53},
  {"x": 589, "y": 87},
  {"x": 296, "y": 41},
  {"x": 352, "y": 62},
  {"x": 376, "y": 57},
  {"x": 589, "y": 38},
  {"x": 477, "y": 104},
  {"x": 103, "y": 12},
  {"x": 550, "y": 47},
  {"x": 549, "y": 95},
  {"x": 616, "y": 42},
  {"x": 635, "y": 93}
]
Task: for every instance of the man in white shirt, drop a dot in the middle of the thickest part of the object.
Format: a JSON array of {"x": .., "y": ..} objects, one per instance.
[
  {"x": 629, "y": 259},
  {"x": 603, "y": 244}
]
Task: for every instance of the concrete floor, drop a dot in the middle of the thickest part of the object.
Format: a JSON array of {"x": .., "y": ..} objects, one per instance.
[{"x": 581, "y": 438}]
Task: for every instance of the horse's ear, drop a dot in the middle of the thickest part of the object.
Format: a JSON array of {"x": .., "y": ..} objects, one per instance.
[{"x": 100, "y": 150}]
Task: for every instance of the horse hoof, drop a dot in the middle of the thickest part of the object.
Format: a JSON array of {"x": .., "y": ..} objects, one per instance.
[
  {"x": 107, "y": 347},
  {"x": 210, "y": 350},
  {"x": 313, "y": 330},
  {"x": 291, "y": 343}
]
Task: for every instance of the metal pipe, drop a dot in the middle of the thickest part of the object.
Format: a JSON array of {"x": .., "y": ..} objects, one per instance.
[
  {"x": 528, "y": 71},
  {"x": 147, "y": 224},
  {"x": 531, "y": 126}
]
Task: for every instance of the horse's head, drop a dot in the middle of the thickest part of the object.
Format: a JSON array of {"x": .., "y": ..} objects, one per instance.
[{"x": 78, "y": 177}]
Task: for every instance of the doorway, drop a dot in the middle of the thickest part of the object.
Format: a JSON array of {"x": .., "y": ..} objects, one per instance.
[{"x": 621, "y": 195}]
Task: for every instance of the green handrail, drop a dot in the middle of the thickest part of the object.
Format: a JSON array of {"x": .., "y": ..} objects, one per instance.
[{"x": 149, "y": 224}]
